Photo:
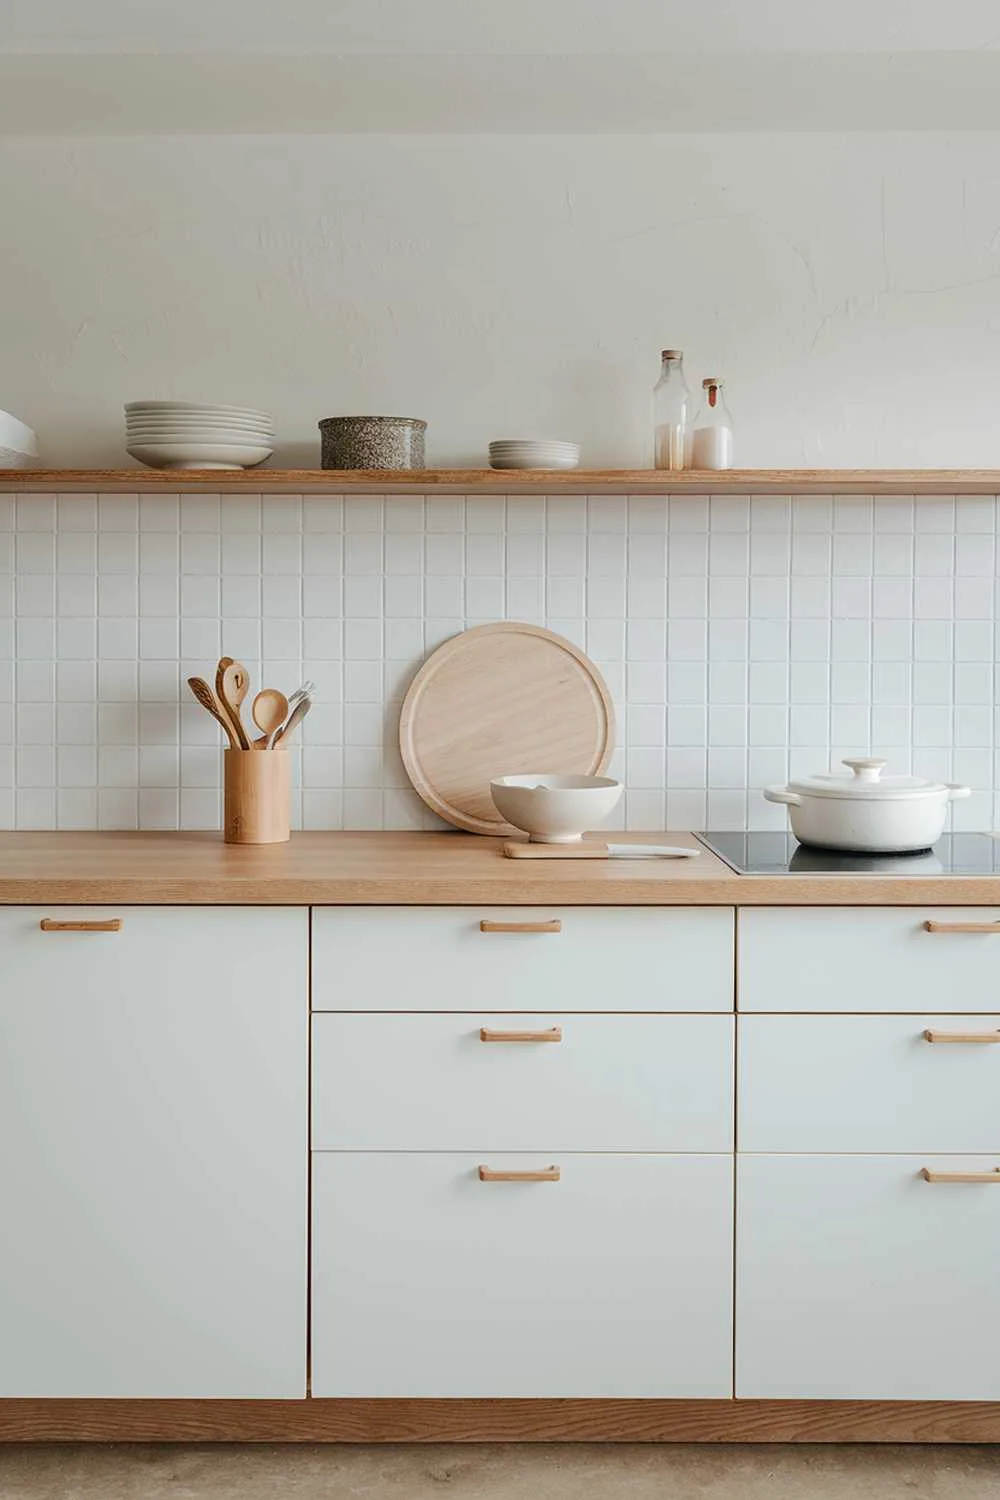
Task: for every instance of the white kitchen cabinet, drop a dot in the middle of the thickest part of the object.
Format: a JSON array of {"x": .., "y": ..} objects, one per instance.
[
  {"x": 574, "y": 958},
  {"x": 859, "y": 1280},
  {"x": 614, "y": 1281},
  {"x": 869, "y": 1083},
  {"x": 153, "y": 1153},
  {"x": 578, "y": 1082},
  {"x": 877, "y": 959}
]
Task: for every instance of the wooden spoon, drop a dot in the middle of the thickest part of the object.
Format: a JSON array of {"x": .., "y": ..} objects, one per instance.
[
  {"x": 235, "y": 686},
  {"x": 208, "y": 700},
  {"x": 270, "y": 710}
]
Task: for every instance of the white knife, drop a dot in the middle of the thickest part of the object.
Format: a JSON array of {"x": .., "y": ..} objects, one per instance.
[{"x": 590, "y": 849}]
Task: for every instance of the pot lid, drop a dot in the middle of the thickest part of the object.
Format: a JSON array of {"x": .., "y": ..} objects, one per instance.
[{"x": 866, "y": 784}]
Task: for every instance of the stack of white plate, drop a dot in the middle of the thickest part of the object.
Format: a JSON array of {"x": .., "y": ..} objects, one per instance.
[
  {"x": 184, "y": 435},
  {"x": 533, "y": 453}
]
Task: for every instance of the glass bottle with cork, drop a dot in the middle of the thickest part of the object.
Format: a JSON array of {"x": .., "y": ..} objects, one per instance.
[
  {"x": 672, "y": 414},
  {"x": 712, "y": 440}
]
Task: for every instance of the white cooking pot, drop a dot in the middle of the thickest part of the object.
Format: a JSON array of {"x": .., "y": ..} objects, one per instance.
[{"x": 867, "y": 811}]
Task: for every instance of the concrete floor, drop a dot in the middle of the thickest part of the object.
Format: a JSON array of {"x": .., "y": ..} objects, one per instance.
[{"x": 494, "y": 1472}]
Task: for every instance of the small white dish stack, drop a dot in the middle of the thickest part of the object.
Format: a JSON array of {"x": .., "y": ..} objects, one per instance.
[
  {"x": 18, "y": 444},
  {"x": 533, "y": 453},
  {"x": 185, "y": 435}
]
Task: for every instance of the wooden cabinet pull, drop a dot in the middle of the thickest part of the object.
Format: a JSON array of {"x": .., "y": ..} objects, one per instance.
[
  {"x": 540, "y": 1174},
  {"x": 554, "y": 926},
  {"x": 110, "y": 924},
  {"x": 962, "y": 927},
  {"x": 975, "y": 1037},
  {"x": 930, "y": 1176},
  {"x": 554, "y": 1034}
]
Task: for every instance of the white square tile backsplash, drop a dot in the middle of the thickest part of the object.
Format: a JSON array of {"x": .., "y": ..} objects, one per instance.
[{"x": 742, "y": 639}]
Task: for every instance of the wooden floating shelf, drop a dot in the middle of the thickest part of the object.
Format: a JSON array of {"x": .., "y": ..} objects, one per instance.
[{"x": 505, "y": 482}]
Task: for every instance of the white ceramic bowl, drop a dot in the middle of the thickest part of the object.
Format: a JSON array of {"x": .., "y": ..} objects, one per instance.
[
  {"x": 555, "y": 809},
  {"x": 18, "y": 443},
  {"x": 193, "y": 455}
]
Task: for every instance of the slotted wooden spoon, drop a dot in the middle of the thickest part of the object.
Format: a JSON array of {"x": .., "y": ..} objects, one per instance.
[{"x": 234, "y": 687}]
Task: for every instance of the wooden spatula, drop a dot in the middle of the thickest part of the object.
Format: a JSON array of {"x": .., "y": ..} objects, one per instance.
[{"x": 208, "y": 700}]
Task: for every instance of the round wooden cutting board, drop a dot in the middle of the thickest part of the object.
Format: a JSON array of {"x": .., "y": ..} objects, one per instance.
[{"x": 501, "y": 700}]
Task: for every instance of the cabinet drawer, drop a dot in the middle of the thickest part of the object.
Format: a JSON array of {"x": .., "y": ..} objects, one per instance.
[
  {"x": 596, "y": 1083},
  {"x": 570, "y": 959},
  {"x": 858, "y": 1280},
  {"x": 614, "y": 1280},
  {"x": 869, "y": 1083},
  {"x": 860, "y": 959}
]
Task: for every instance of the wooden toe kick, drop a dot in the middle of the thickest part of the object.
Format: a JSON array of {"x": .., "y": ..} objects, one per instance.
[{"x": 316, "y": 1420}]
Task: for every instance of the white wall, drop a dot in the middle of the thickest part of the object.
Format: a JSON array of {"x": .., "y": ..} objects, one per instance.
[{"x": 848, "y": 288}]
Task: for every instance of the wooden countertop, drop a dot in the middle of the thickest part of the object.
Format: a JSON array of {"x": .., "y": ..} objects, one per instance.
[{"x": 431, "y": 869}]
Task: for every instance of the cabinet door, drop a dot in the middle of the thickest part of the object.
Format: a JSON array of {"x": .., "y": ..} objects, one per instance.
[
  {"x": 614, "y": 1280},
  {"x": 859, "y": 1280},
  {"x": 153, "y": 1152}
]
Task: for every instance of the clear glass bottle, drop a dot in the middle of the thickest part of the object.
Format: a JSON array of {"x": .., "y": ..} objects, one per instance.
[
  {"x": 672, "y": 414},
  {"x": 712, "y": 440}
]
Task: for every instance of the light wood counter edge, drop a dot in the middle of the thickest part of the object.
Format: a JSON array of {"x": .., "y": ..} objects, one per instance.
[{"x": 415, "y": 869}]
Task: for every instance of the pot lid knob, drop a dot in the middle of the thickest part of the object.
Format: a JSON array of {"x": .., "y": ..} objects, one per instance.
[{"x": 866, "y": 770}]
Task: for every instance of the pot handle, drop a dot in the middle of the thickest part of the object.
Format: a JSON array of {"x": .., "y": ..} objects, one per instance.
[
  {"x": 782, "y": 794},
  {"x": 956, "y": 792}
]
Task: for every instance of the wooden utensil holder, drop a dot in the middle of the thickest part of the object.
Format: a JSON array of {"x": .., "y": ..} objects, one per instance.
[{"x": 258, "y": 796}]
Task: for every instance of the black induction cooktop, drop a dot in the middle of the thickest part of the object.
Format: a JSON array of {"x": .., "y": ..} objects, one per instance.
[{"x": 768, "y": 853}]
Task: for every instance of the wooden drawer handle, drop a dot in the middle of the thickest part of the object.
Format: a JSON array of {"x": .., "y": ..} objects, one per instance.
[
  {"x": 962, "y": 927},
  {"x": 111, "y": 924},
  {"x": 977, "y": 1037},
  {"x": 554, "y": 1034},
  {"x": 929, "y": 1176},
  {"x": 554, "y": 926},
  {"x": 540, "y": 1174}
]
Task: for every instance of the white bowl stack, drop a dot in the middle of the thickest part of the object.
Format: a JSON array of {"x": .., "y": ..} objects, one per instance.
[
  {"x": 185, "y": 435},
  {"x": 533, "y": 453}
]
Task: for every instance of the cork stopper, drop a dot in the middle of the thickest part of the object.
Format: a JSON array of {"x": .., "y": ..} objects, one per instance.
[{"x": 671, "y": 354}]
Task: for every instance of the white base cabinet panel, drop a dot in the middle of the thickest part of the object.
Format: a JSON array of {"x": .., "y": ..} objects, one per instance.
[
  {"x": 858, "y": 1280},
  {"x": 607, "y": 1083},
  {"x": 602, "y": 958},
  {"x": 614, "y": 1281},
  {"x": 153, "y": 1151},
  {"x": 869, "y": 1083}
]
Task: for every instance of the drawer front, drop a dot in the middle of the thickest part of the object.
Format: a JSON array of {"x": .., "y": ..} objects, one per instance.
[
  {"x": 614, "y": 1281},
  {"x": 859, "y": 1280},
  {"x": 861, "y": 959},
  {"x": 869, "y": 1083},
  {"x": 570, "y": 1083},
  {"x": 570, "y": 959}
]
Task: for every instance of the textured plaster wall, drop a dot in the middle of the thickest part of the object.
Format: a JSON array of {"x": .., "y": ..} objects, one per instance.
[{"x": 848, "y": 288}]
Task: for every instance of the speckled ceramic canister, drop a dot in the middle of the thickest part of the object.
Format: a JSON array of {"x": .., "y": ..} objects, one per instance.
[{"x": 373, "y": 442}]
